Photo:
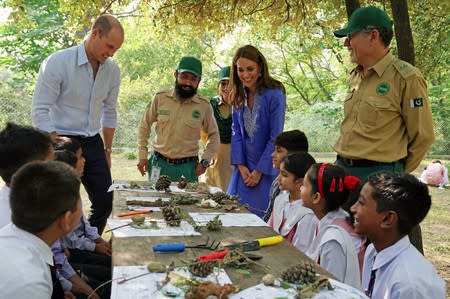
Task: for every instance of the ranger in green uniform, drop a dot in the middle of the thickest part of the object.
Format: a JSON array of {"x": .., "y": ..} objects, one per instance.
[
  {"x": 180, "y": 115},
  {"x": 387, "y": 116}
]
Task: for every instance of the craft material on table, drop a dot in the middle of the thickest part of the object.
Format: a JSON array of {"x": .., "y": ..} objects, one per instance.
[
  {"x": 340, "y": 291},
  {"x": 185, "y": 229},
  {"x": 229, "y": 219},
  {"x": 256, "y": 244},
  {"x": 146, "y": 286}
]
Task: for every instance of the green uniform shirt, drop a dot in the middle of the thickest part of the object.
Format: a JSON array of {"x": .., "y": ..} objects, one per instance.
[{"x": 387, "y": 115}]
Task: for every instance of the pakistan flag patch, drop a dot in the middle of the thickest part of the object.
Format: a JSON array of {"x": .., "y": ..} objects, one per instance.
[
  {"x": 382, "y": 89},
  {"x": 417, "y": 102}
]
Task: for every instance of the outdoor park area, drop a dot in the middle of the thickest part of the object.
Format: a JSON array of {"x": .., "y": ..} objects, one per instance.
[{"x": 296, "y": 38}]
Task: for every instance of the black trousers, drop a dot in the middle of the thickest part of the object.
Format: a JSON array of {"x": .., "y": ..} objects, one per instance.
[
  {"x": 94, "y": 268},
  {"x": 96, "y": 180}
]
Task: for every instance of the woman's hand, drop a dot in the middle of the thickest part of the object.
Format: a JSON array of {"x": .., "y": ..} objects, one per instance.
[{"x": 255, "y": 177}]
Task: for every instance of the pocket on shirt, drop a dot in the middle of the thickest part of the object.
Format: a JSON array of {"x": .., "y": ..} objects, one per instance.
[
  {"x": 193, "y": 127},
  {"x": 161, "y": 123},
  {"x": 374, "y": 108}
]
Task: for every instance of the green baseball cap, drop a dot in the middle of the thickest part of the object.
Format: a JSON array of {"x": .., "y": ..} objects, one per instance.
[
  {"x": 190, "y": 64},
  {"x": 365, "y": 18},
  {"x": 224, "y": 73}
]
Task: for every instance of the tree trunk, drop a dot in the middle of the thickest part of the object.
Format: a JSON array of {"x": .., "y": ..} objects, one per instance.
[
  {"x": 403, "y": 34},
  {"x": 351, "y": 6}
]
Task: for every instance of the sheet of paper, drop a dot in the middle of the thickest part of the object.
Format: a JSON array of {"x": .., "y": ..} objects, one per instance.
[
  {"x": 229, "y": 219},
  {"x": 146, "y": 198},
  {"x": 126, "y": 187},
  {"x": 260, "y": 291},
  {"x": 146, "y": 287},
  {"x": 212, "y": 189},
  {"x": 140, "y": 208},
  {"x": 185, "y": 229}
]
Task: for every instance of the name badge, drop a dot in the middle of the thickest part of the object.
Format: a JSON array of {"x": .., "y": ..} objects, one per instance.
[{"x": 154, "y": 176}]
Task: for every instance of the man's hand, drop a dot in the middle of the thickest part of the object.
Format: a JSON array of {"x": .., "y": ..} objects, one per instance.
[
  {"x": 142, "y": 166},
  {"x": 199, "y": 170}
]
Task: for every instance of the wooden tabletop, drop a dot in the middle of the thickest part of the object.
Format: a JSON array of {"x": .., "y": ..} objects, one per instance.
[{"x": 138, "y": 250}]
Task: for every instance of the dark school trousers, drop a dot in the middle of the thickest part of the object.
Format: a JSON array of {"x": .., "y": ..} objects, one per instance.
[
  {"x": 96, "y": 180},
  {"x": 94, "y": 268}
]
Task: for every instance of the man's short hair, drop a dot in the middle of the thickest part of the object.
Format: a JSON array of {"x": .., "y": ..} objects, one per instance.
[
  {"x": 105, "y": 23},
  {"x": 402, "y": 193},
  {"x": 293, "y": 141},
  {"x": 19, "y": 145},
  {"x": 66, "y": 156},
  {"x": 41, "y": 192}
]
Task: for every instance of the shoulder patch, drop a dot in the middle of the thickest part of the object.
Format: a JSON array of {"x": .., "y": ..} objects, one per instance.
[{"x": 405, "y": 69}]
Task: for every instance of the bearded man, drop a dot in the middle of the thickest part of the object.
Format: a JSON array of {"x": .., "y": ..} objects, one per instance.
[{"x": 180, "y": 114}]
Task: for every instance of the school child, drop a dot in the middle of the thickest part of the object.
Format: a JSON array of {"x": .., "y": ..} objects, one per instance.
[
  {"x": 389, "y": 206},
  {"x": 289, "y": 217},
  {"x": 89, "y": 253},
  {"x": 19, "y": 145},
  {"x": 286, "y": 142},
  {"x": 435, "y": 174},
  {"x": 335, "y": 247},
  {"x": 68, "y": 277},
  {"x": 45, "y": 205}
]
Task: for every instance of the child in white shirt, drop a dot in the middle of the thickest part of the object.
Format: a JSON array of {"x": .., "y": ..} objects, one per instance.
[
  {"x": 388, "y": 207},
  {"x": 326, "y": 188},
  {"x": 289, "y": 217}
]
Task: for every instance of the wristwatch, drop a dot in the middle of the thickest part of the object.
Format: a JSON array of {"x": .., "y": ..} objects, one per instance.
[
  {"x": 108, "y": 150},
  {"x": 204, "y": 163}
]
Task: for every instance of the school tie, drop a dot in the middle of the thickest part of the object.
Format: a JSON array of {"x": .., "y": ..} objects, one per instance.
[
  {"x": 371, "y": 281},
  {"x": 58, "y": 292}
]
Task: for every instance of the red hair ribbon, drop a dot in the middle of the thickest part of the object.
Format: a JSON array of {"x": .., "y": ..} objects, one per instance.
[
  {"x": 341, "y": 185},
  {"x": 350, "y": 182},
  {"x": 320, "y": 178},
  {"x": 333, "y": 185}
]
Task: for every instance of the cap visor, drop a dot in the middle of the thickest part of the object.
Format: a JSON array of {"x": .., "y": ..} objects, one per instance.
[
  {"x": 341, "y": 32},
  {"x": 189, "y": 71}
]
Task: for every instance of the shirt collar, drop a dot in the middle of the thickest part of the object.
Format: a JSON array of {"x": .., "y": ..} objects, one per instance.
[
  {"x": 81, "y": 55},
  {"x": 386, "y": 255},
  {"x": 42, "y": 247},
  {"x": 380, "y": 66},
  {"x": 330, "y": 217}
]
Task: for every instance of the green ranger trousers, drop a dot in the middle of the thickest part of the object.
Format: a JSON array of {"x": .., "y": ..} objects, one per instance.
[{"x": 174, "y": 171}]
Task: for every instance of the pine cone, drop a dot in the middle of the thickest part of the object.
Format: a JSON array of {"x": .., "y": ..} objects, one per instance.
[
  {"x": 172, "y": 215},
  {"x": 163, "y": 183},
  {"x": 201, "y": 269},
  {"x": 302, "y": 273},
  {"x": 182, "y": 183}
]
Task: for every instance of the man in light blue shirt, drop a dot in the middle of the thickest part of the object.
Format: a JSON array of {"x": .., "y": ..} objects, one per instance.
[{"x": 76, "y": 96}]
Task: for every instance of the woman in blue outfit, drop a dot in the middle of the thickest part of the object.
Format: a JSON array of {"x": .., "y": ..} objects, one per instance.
[{"x": 259, "y": 106}]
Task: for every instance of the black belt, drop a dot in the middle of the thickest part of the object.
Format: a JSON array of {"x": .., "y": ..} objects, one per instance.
[
  {"x": 362, "y": 162},
  {"x": 176, "y": 161},
  {"x": 83, "y": 138}
]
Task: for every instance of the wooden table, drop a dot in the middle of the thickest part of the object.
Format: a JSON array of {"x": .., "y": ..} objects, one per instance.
[{"x": 138, "y": 250}]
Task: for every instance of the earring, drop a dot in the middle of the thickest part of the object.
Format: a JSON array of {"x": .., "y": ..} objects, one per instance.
[{"x": 260, "y": 74}]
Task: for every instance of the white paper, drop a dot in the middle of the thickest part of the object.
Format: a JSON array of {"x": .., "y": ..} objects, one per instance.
[
  {"x": 146, "y": 198},
  {"x": 141, "y": 208},
  {"x": 341, "y": 291},
  {"x": 211, "y": 189},
  {"x": 185, "y": 229},
  {"x": 145, "y": 287},
  {"x": 229, "y": 219},
  {"x": 125, "y": 187}
]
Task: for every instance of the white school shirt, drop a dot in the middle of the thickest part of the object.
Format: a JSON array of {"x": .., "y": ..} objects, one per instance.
[
  {"x": 336, "y": 250},
  {"x": 24, "y": 265},
  {"x": 295, "y": 214},
  {"x": 402, "y": 272},
  {"x": 5, "y": 209}
]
